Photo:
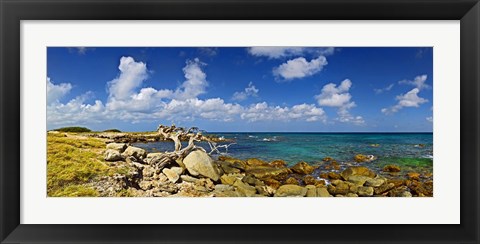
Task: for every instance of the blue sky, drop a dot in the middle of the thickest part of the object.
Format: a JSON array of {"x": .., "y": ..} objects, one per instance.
[{"x": 306, "y": 89}]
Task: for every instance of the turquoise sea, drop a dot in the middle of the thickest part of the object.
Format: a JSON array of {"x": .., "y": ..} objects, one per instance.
[{"x": 412, "y": 150}]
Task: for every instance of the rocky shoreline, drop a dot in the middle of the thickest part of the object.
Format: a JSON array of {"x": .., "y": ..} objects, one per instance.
[
  {"x": 200, "y": 175},
  {"x": 123, "y": 137}
]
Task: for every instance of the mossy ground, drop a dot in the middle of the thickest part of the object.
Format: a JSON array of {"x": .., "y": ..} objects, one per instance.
[{"x": 73, "y": 161}]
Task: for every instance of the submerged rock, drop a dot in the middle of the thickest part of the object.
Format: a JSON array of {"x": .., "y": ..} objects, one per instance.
[
  {"x": 391, "y": 168},
  {"x": 413, "y": 176},
  {"x": 360, "y": 158},
  {"x": 291, "y": 191},
  {"x": 303, "y": 168},
  {"x": 199, "y": 163}
]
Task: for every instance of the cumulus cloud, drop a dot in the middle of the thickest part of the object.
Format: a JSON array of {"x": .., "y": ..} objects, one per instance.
[
  {"x": 56, "y": 92},
  {"x": 282, "y": 52},
  {"x": 409, "y": 99},
  {"x": 340, "y": 98},
  {"x": 75, "y": 112},
  {"x": 385, "y": 89},
  {"x": 299, "y": 68},
  {"x": 418, "y": 82},
  {"x": 195, "y": 83},
  {"x": 264, "y": 112},
  {"x": 131, "y": 76},
  {"x": 250, "y": 91}
]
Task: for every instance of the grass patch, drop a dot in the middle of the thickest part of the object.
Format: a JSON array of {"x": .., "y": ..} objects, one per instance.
[
  {"x": 73, "y": 129},
  {"x": 72, "y": 162}
]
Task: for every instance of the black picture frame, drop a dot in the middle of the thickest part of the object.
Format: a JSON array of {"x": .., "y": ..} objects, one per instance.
[{"x": 13, "y": 11}]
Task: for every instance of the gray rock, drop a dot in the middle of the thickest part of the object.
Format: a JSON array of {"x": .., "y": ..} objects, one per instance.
[
  {"x": 222, "y": 187},
  {"x": 188, "y": 178},
  {"x": 135, "y": 152},
  {"x": 117, "y": 146},
  {"x": 375, "y": 182},
  {"x": 244, "y": 189},
  {"x": 291, "y": 191},
  {"x": 311, "y": 191},
  {"x": 358, "y": 179},
  {"x": 199, "y": 163},
  {"x": 178, "y": 170},
  {"x": 112, "y": 155}
]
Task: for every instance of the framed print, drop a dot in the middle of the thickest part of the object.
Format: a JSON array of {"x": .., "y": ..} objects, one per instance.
[{"x": 156, "y": 121}]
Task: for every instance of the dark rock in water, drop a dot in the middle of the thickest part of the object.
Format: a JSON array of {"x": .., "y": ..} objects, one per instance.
[
  {"x": 357, "y": 170},
  {"x": 309, "y": 180},
  {"x": 413, "y": 176},
  {"x": 264, "y": 172},
  {"x": 384, "y": 188},
  {"x": 278, "y": 163},
  {"x": 303, "y": 168},
  {"x": 360, "y": 158},
  {"x": 391, "y": 168},
  {"x": 327, "y": 159},
  {"x": 291, "y": 181},
  {"x": 291, "y": 191}
]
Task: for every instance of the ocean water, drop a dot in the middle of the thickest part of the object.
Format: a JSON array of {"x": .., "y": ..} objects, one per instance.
[{"x": 407, "y": 149}]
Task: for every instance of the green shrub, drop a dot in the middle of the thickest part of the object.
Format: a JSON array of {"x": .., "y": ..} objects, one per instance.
[
  {"x": 74, "y": 129},
  {"x": 112, "y": 130}
]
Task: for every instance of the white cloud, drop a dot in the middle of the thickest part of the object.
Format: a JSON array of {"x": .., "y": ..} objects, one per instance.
[
  {"x": 76, "y": 112},
  {"x": 264, "y": 112},
  {"x": 299, "y": 68},
  {"x": 56, "y": 92},
  {"x": 430, "y": 119},
  {"x": 131, "y": 76},
  {"x": 409, "y": 99},
  {"x": 195, "y": 83},
  {"x": 385, "y": 89},
  {"x": 282, "y": 52},
  {"x": 208, "y": 51},
  {"x": 340, "y": 98},
  {"x": 418, "y": 82},
  {"x": 250, "y": 91}
]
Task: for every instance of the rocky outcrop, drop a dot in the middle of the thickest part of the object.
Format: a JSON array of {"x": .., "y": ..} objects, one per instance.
[{"x": 199, "y": 163}]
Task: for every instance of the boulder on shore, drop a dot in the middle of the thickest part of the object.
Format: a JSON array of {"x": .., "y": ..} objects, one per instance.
[
  {"x": 117, "y": 146},
  {"x": 199, "y": 163},
  {"x": 303, "y": 168},
  {"x": 291, "y": 191},
  {"x": 357, "y": 170},
  {"x": 135, "y": 152},
  {"x": 112, "y": 155}
]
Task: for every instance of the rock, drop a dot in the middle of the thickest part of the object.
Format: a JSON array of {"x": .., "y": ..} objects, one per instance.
[
  {"x": 291, "y": 181},
  {"x": 358, "y": 179},
  {"x": 413, "y": 176},
  {"x": 230, "y": 178},
  {"x": 351, "y": 195},
  {"x": 148, "y": 171},
  {"x": 244, "y": 189},
  {"x": 309, "y": 180},
  {"x": 265, "y": 190},
  {"x": 112, "y": 155},
  {"x": 274, "y": 184},
  {"x": 357, "y": 170},
  {"x": 396, "y": 182},
  {"x": 391, "y": 168},
  {"x": 199, "y": 163},
  {"x": 399, "y": 192},
  {"x": 178, "y": 170},
  {"x": 146, "y": 185},
  {"x": 406, "y": 194},
  {"x": 326, "y": 159},
  {"x": 222, "y": 187},
  {"x": 227, "y": 167},
  {"x": 384, "y": 188},
  {"x": 333, "y": 176},
  {"x": 120, "y": 147},
  {"x": 360, "y": 158},
  {"x": 322, "y": 192},
  {"x": 291, "y": 191},
  {"x": 135, "y": 152},
  {"x": 341, "y": 188},
  {"x": 188, "y": 178},
  {"x": 256, "y": 162},
  {"x": 266, "y": 172},
  {"x": 365, "y": 191},
  {"x": 375, "y": 182},
  {"x": 303, "y": 168},
  {"x": 311, "y": 191},
  {"x": 278, "y": 163},
  {"x": 167, "y": 186},
  {"x": 251, "y": 180},
  {"x": 172, "y": 175}
]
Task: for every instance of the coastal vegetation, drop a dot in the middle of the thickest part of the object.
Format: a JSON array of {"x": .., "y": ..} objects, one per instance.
[
  {"x": 107, "y": 164},
  {"x": 73, "y": 129}
]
